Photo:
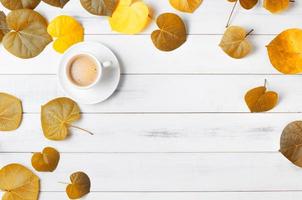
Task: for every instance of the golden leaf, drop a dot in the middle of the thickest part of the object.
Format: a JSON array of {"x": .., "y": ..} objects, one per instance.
[
  {"x": 291, "y": 142},
  {"x": 100, "y": 7},
  {"x": 57, "y": 116},
  {"x": 171, "y": 34},
  {"x": 186, "y": 5},
  {"x": 285, "y": 51},
  {"x": 130, "y": 17},
  {"x": 28, "y": 36},
  {"x": 67, "y": 30},
  {"x": 10, "y": 112},
  {"x": 275, "y": 6},
  {"x": 234, "y": 42},
  {"x": 47, "y": 161},
  {"x": 19, "y": 183},
  {"x": 260, "y": 100},
  {"x": 56, "y": 3},
  {"x": 246, "y": 4},
  {"x": 80, "y": 185},
  {"x": 19, "y": 4}
]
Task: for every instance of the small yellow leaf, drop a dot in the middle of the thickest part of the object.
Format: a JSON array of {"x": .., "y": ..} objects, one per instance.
[
  {"x": 67, "y": 30},
  {"x": 130, "y": 17},
  {"x": 234, "y": 42},
  {"x": 80, "y": 185},
  {"x": 10, "y": 112},
  {"x": 260, "y": 100},
  {"x": 18, "y": 183},
  {"x": 285, "y": 51},
  {"x": 275, "y": 6},
  {"x": 47, "y": 161},
  {"x": 186, "y": 5}
]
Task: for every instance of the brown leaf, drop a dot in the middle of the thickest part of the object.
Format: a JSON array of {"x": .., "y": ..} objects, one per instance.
[
  {"x": 10, "y": 112},
  {"x": 275, "y": 6},
  {"x": 260, "y": 100},
  {"x": 100, "y": 7},
  {"x": 56, "y": 3},
  {"x": 28, "y": 36},
  {"x": 235, "y": 43},
  {"x": 248, "y": 4},
  {"x": 186, "y": 5},
  {"x": 47, "y": 161},
  {"x": 19, "y": 183},
  {"x": 291, "y": 142},
  {"x": 80, "y": 185},
  {"x": 19, "y": 4},
  {"x": 3, "y": 25},
  {"x": 171, "y": 34}
]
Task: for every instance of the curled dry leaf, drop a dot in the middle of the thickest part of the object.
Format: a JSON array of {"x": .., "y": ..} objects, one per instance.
[
  {"x": 285, "y": 51},
  {"x": 28, "y": 36},
  {"x": 291, "y": 142},
  {"x": 246, "y": 4},
  {"x": 56, "y": 3},
  {"x": 186, "y": 5},
  {"x": 10, "y": 112},
  {"x": 19, "y": 4},
  {"x": 100, "y": 7},
  {"x": 67, "y": 30},
  {"x": 3, "y": 25},
  {"x": 260, "y": 100},
  {"x": 275, "y": 6},
  {"x": 47, "y": 161},
  {"x": 19, "y": 183},
  {"x": 80, "y": 185},
  {"x": 235, "y": 43},
  {"x": 130, "y": 17},
  {"x": 171, "y": 34}
]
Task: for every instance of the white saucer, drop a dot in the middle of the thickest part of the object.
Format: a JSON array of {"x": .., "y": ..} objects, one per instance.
[{"x": 110, "y": 76}]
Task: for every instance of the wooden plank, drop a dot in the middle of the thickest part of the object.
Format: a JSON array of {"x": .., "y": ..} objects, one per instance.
[
  {"x": 172, "y": 172},
  {"x": 163, "y": 93},
  {"x": 210, "y": 18},
  {"x": 157, "y": 133},
  {"x": 180, "y": 195},
  {"x": 199, "y": 55}
]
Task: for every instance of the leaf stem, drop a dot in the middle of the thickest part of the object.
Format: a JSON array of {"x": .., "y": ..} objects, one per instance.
[
  {"x": 63, "y": 183},
  {"x": 249, "y": 32},
  {"x": 230, "y": 16},
  {"x": 76, "y": 127}
]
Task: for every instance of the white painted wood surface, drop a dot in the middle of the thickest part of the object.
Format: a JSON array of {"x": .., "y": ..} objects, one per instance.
[{"x": 177, "y": 127}]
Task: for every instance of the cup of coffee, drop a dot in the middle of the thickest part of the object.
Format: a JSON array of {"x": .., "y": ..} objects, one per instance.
[{"x": 84, "y": 70}]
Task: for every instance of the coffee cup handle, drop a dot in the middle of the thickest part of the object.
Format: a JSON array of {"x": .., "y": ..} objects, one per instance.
[{"x": 107, "y": 64}]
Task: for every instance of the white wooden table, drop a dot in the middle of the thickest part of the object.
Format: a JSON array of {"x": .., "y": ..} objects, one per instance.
[{"x": 177, "y": 128}]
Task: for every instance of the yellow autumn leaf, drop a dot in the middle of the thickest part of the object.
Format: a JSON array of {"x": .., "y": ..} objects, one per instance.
[
  {"x": 130, "y": 17},
  {"x": 80, "y": 185},
  {"x": 67, "y": 30},
  {"x": 186, "y": 5},
  {"x": 275, "y": 6},
  {"x": 234, "y": 42},
  {"x": 46, "y": 161},
  {"x": 18, "y": 183},
  {"x": 285, "y": 51},
  {"x": 10, "y": 112},
  {"x": 260, "y": 100}
]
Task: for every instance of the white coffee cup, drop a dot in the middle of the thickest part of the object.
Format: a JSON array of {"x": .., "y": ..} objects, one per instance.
[{"x": 97, "y": 64}]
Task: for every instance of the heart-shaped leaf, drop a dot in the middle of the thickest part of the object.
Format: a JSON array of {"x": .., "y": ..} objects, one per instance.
[
  {"x": 3, "y": 25},
  {"x": 10, "y": 112},
  {"x": 100, "y": 7},
  {"x": 56, "y": 3},
  {"x": 47, "y": 161},
  {"x": 80, "y": 185},
  {"x": 246, "y": 4},
  {"x": 275, "y": 6},
  {"x": 285, "y": 51},
  {"x": 171, "y": 34},
  {"x": 291, "y": 142},
  {"x": 130, "y": 17},
  {"x": 186, "y": 5},
  {"x": 18, "y": 183},
  {"x": 260, "y": 100},
  {"x": 19, "y": 4},
  {"x": 67, "y": 30},
  {"x": 234, "y": 42},
  {"x": 28, "y": 36}
]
